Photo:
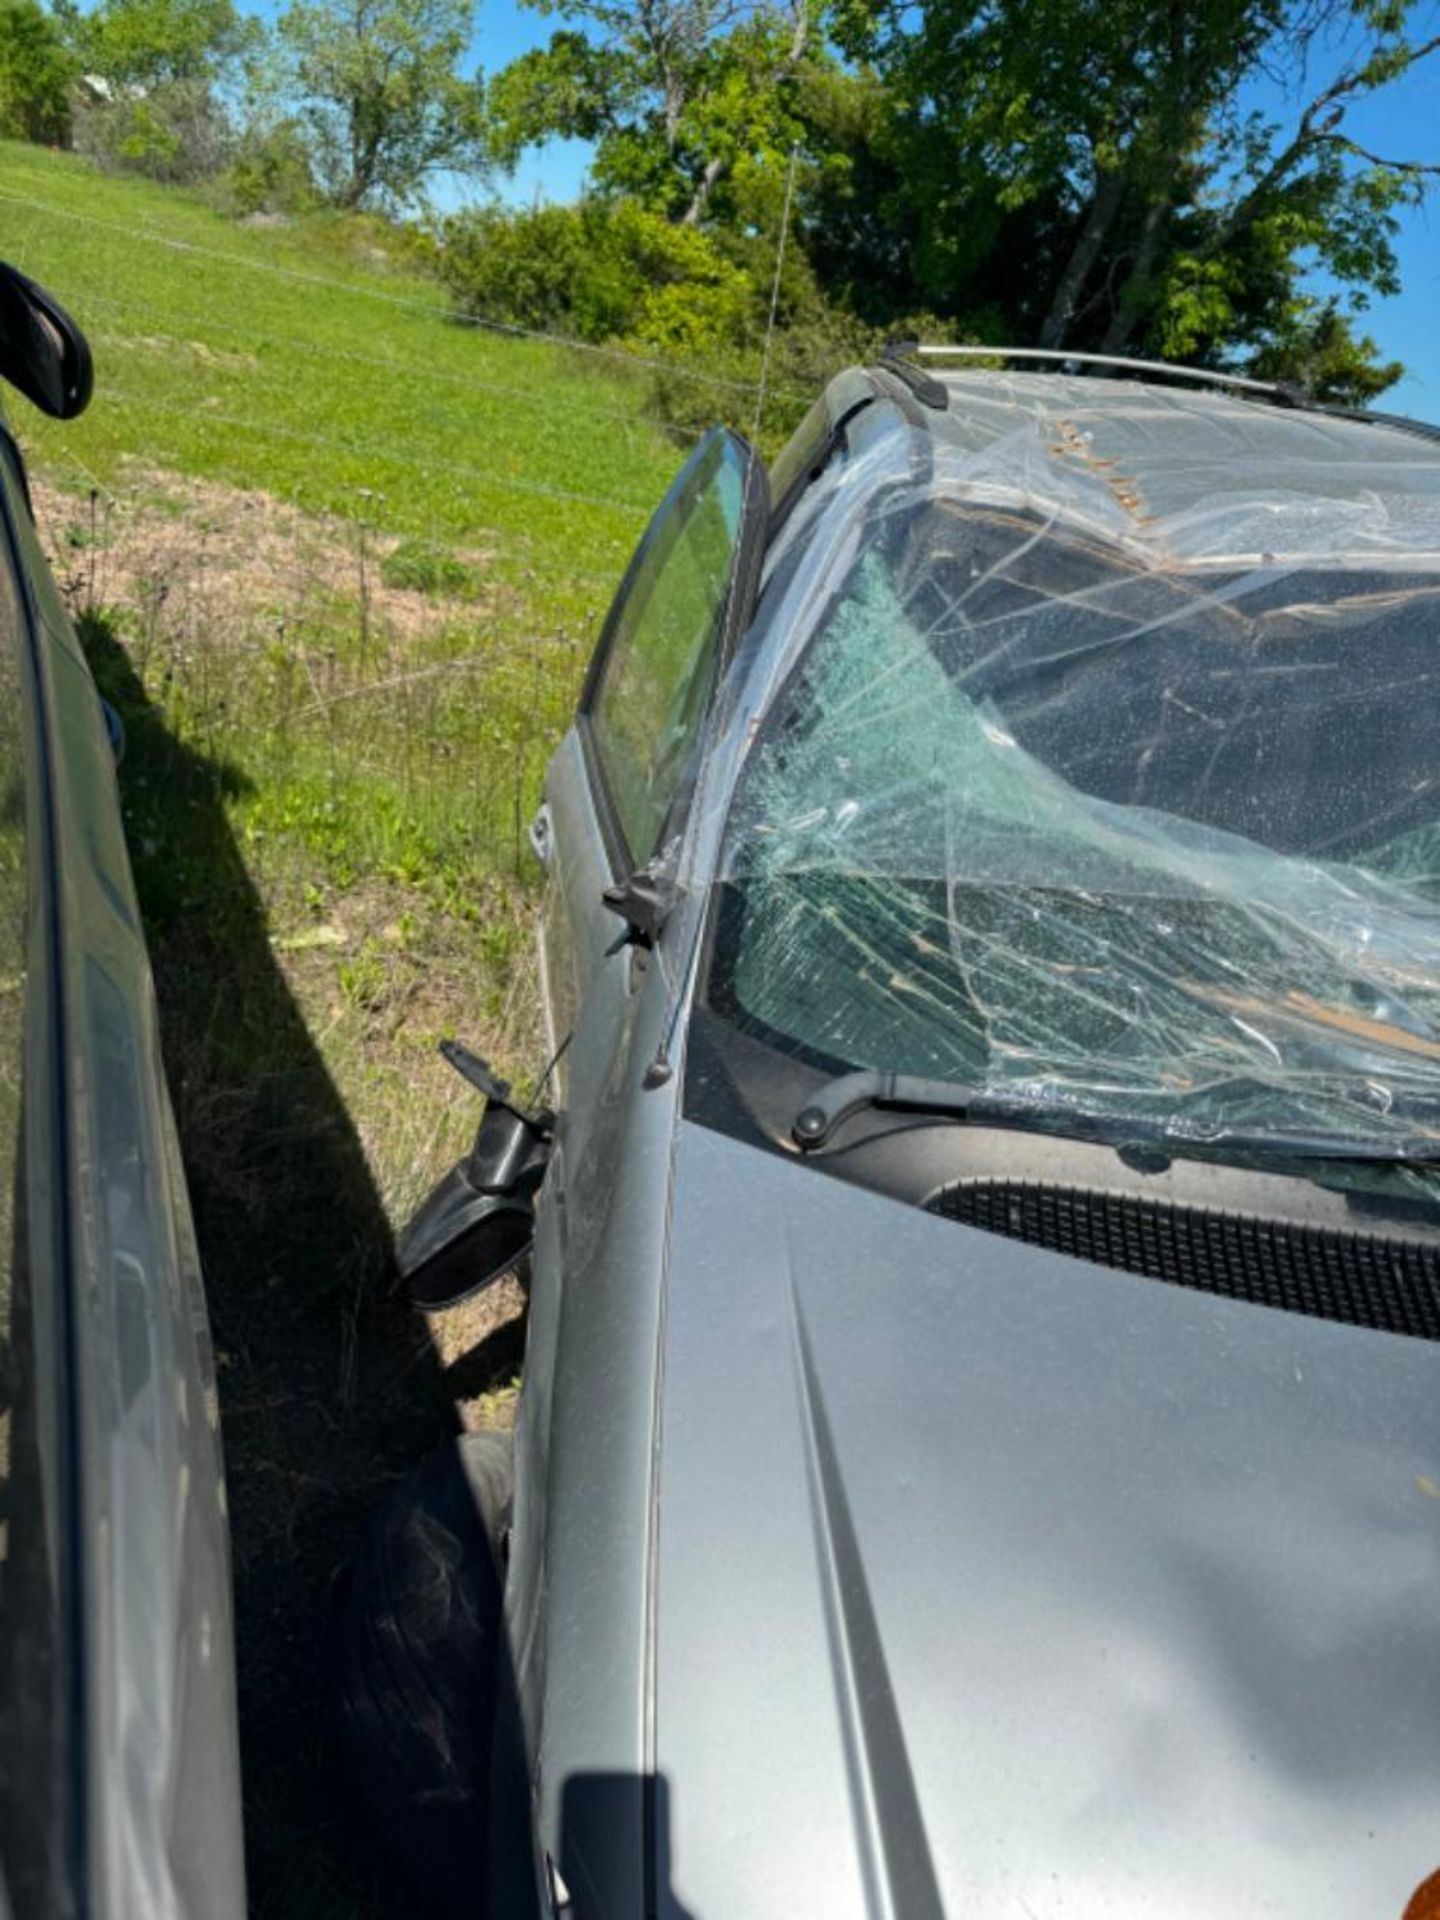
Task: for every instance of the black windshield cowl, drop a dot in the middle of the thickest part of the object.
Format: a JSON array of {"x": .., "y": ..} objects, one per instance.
[{"x": 838, "y": 1100}]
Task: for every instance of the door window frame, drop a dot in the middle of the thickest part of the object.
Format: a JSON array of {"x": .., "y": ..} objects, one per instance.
[{"x": 741, "y": 590}]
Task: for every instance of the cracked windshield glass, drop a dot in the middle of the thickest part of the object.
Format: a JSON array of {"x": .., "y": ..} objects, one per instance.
[{"x": 1040, "y": 815}]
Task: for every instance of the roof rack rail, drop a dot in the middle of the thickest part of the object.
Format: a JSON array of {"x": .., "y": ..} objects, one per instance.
[
  {"x": 1280, "y": 393},
  {"x": 1286, "y": 395}
]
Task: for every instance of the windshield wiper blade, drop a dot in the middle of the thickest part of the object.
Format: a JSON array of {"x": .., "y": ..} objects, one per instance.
[
  {"x": 835, "y": 1102},
  {"x": 838, "y": 1100}
]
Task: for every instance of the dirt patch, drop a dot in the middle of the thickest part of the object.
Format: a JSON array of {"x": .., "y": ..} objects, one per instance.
[
  {"x": 221, "y": 359},
  {"x": 246, "y": 564}
]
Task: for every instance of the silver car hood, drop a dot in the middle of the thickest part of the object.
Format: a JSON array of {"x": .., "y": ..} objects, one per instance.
[{"x": 991, "y": 1583}]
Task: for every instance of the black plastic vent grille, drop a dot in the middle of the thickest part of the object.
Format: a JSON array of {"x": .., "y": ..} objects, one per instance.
[{"x": 1361, "y": 1279}]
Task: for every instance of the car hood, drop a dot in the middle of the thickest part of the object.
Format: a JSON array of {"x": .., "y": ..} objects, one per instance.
[{"x": 989, "y": 1582}]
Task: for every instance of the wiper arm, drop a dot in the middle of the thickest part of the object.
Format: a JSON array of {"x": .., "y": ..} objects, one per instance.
[{"x": 848, "y": 1093}]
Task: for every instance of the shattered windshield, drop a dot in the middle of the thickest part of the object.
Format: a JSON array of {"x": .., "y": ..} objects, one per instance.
[{"x": 1042, "y": 816}]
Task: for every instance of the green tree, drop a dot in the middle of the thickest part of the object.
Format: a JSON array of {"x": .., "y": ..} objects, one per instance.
[
  {"x": 138, "y": 46},
  {"x": 1315, "y": 346},
  {"x": 378, "y": 85},
  {"x": 271, "y": 167},
  {"x": 691, "y": 103},
  {"x": 37, "y": 72},
  {"x": 162, "y": 78},
  {"x": 1103, "y": 146}
]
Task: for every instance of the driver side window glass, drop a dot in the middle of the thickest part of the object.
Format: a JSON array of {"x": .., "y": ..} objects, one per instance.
[{"x": 660, "y": 661}]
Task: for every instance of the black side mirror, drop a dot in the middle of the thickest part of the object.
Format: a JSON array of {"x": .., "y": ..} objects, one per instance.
[
  {"x": 479, "y": 1223},
  {"x": 42, "y": 351}
]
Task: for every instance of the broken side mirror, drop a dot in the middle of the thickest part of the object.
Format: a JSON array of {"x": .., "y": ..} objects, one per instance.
[{"x": 479, "y": 1223}]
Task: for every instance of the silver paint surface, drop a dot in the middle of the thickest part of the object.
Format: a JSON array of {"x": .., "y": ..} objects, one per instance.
[
  {"x": 995, "y": 1583},
  {"x": 162, "y": 1755}
]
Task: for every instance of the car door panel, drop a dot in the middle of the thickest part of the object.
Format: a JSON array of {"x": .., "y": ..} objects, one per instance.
[
  {"x": 154, "y": 1675},
  {"x": 577, "y": 1616},
  {"x": 40, "y": 1751},
  {"x": 573, "y": 923},
  {"x": 581, "y": 1546}
]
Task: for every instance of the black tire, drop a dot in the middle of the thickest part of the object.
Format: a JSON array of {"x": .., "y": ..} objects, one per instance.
[{"x": 418, "y": 1634}]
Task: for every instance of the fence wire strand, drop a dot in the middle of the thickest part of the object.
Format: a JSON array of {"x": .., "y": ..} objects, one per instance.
[
  {"x": 433, "y": 309},
  {"x": 365, "y": 450},
  {"x": 537, "y": 399}
]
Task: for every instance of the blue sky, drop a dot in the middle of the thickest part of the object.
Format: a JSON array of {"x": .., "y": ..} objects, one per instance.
[{"x": 1404, "y": 122}]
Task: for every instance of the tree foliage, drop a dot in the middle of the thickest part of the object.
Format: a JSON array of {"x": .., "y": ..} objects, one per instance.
[
  {"x": 1091, "y": 174},
  {"x": 689, "y": 102},
  {"x": 1102, "y": 149},
  {"x": 140, "y": 46},
  {"x": 378, "y": 86},
  {"x": 1062, "y": 172},
  {"x": 599, "y": 271},
  {"x": 271, "y": 167},
  {"x": 37, "y": 72},
  {"x": 154, "y": 76}
]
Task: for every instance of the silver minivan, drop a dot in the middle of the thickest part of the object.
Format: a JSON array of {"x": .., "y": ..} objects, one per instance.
[{"x": 979, "y": 1451}]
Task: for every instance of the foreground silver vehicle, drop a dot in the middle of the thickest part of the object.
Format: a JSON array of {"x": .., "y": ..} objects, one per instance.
[
  {"x": 119, "y": 1781},
  {"x": 980, "y": 1443}
]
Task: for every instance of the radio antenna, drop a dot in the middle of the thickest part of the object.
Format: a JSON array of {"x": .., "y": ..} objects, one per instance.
[{"x": 775, "y": 293}]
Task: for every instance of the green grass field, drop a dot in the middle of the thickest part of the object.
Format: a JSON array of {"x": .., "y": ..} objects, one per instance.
[
  {"x": 501, "y": 483},
  {"x": 228, "y": 352},
  {"x": 338, "y": 562},
  {"x": 355, "y": 553}
]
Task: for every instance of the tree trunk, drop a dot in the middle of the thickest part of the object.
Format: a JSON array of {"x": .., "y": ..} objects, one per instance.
[
  {"x": 1140, "y": 282},
  {"x": 1104, "y": 206},
  {"x": 704, "y": 188}
]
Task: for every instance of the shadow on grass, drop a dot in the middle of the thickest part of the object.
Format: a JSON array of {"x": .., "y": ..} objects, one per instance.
[
  {"x": 493, "y": 1361},
  {"x": 329, "y": 1386}
]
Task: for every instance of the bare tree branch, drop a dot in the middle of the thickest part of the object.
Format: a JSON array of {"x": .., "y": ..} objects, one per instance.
[
  {"x": 1378, "y": 160},
  {"x": 1312, "y": 132}
]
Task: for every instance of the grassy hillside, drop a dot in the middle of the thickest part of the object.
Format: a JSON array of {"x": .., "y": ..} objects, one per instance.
[
  {"x": 307, "y": 361},
  {"x": 353, "y": 552},
  {"x": 338, "y": 562},
  {"x": 499, "y": 482}
]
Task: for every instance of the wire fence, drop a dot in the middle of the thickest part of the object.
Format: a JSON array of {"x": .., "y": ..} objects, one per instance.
[
  {"x": 246, "y": 373},
  {"x": 523, "y": 547},
  {"x": 437, "y": 309},
  {"x": 510, "y": 551},
  {"x": 367, "y": 716},
  {"x": 382, "y": 455},
  {"x": 524, "y": 550},
  {"x": 532, "y": 396}
]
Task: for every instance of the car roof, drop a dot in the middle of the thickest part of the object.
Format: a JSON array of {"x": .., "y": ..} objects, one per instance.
[{"x": 1195, "y": 477}]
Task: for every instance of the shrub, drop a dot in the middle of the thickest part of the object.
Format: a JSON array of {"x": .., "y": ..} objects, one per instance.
[
  {"x": 696, "y": 301},
  {"x": 601, "y": 271},
  {"x": 420, "y": 567},
  {"x": 177, "y": 133},
  {"x": 689, "y": 297},
  {"x": 271, "y": 171},
  {"x": 524, "y": 269}
]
